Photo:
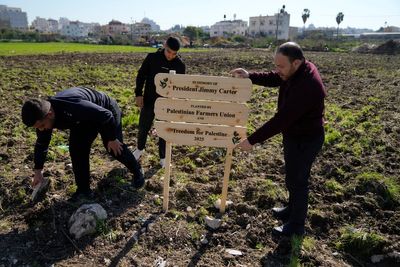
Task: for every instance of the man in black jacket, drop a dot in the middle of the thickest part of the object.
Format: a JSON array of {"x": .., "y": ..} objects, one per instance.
[
  {"x": 86, "y": 113},
  {"x": 162, "y": 61}
]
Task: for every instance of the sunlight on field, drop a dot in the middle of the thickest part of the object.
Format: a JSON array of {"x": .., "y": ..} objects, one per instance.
[{"x": 11, "y": 49}]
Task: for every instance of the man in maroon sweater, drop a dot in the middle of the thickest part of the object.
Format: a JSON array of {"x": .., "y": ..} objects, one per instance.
[{"x": 300, "y": 119}]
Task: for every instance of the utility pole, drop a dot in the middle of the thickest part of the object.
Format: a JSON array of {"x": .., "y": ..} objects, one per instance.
[{"x": 280, "y": 11}]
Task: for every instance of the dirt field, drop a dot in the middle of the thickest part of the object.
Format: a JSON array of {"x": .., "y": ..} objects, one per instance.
[{"x": 355, "y": 189}]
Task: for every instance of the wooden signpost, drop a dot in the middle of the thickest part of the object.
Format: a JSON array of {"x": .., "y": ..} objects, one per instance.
[{"x": 195, "y": 120}]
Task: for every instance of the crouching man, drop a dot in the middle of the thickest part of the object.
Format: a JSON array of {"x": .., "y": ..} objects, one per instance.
[{"x": 86, "y": 112}]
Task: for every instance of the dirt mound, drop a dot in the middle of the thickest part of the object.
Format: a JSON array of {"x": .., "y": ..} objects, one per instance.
[{"x": 391, "y": 47}]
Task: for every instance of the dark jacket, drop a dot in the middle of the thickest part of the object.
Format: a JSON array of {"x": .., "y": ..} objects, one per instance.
[
  {"x": 74, "y": 108},
  {"x": 300, "y": 104},
  {"x": 155, "y": 63}
]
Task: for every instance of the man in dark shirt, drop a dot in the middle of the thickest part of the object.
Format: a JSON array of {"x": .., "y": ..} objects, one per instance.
[
  {"x": 300, "y": 118},
  {"x": 162, "y": 61},
  {"x": 86, "y": 113}
]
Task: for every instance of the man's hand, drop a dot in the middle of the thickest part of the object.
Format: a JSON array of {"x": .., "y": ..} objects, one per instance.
[
  {"x": 139, "y": 101},
  {"x": 239, "y": 73},
  {"x": 37, "y": 178},
  {"x": 115, "y": 146},
  {"x": 245, "y": 145}
]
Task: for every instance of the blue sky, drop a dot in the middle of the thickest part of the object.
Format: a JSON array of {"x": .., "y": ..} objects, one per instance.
[{"x": 360, "y": 14}]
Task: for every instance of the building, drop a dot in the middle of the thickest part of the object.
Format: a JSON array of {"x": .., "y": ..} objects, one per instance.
[
  {"x": 45, "y": 25},
  {"x": 294, "y": 32},
  {"x": 140, "y": 30},
  {"x": 62, "y": 22},
  {"x": 268, "y": 26},
  {"x": 53, "y": 25},
  {"x": 40, "y": 24},
  {"x": 154, "y": 26},
  {"x": 227, "y": 28},
  {"x": 14, "y": 17},
  {"x": 116, "y": 27}
]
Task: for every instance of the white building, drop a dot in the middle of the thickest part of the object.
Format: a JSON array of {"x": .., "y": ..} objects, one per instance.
[
  {"x": 53, "y": 25},
  {"x": 229, "y": 27},
  {"x": 45, "y": 25},
  {"x": 75, "y": 29},
  {"x": 40, "y": 24},
  {"x": 269, "y": 26},
  {"x": 154, "y": 26},
  {"x": 62, "y": 22},
  {"x": 141, "y": 30},
  {"x": 14, "y": 17}
]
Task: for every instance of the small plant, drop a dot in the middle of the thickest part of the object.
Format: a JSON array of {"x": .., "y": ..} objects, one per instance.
[
  {"x": 71, "y": 189},
  {"x": 158, "y": 201},
  {"x": 105, "y": 230},
  {"x": 202, "y": 213},
  {"x": 260, "y": 246},
  {"x": 5, "y": 225},
  {"x": 271, "y": 189},
  {"x": 387, "y": 187},
  {"x": 132, "y": 119},
  {"x": 335, "y": 187},
  {"x": 177, "y": 214},
  {"x": 296, "y": 245},
  {"x": 194, "y": 231},
  {"x": 308, "y": 244},
  {"x": 332, "y": 135},
  {"x": 212, "y": 198},
  {"x": 359, "y": 243}
]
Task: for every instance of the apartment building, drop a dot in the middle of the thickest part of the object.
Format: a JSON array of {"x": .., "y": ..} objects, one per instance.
[
  {"x": 14, "y": 17},
  {"x": 229, "y": 27},
  {"x": 45, "y": 25},
  {"x": 270, "y": 26}
]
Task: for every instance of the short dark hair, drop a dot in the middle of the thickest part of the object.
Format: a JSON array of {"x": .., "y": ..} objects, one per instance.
[
  {"x": 173, "y": 43},
  {"x": 291, "y": 50},
  {"x": 34, "y": 110}
]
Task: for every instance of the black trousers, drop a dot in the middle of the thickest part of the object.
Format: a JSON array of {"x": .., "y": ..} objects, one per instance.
[
  {"x": 145, "y": 122},
  {"x": 299, "y": 155},
  {"x": 80, "y": 142}
]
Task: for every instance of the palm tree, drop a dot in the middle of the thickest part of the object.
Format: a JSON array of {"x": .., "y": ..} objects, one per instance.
[
  {"x": 305, "y": 15},
  {"x": 339, "y": 19}
]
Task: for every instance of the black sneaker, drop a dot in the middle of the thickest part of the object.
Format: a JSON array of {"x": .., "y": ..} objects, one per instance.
[
  {"x": 138, "y": 180},
  {"x": 282, "y": 214},
  {"x": 82, "y": 195}
]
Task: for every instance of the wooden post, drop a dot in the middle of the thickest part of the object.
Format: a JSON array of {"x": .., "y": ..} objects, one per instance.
[
  {"x": 167, "y": 167},
  {"x": 227, "y": 172}
]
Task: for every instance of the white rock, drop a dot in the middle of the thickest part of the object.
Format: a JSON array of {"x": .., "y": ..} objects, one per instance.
[
  {"x": 212, "y": 223},
  {"x": 83, "y": 221},
  {"x": 233, "y": 252},
  {"x": 394, "y": 254},
  {"x": 204, "y": 240},
  {"x": 377, "y": 258},
  {"x": 40, "y": 189},
  {"x": 217, "y": 203},
  {"x": 107, "y": 261},
  {"x": 160, "y": 262}
]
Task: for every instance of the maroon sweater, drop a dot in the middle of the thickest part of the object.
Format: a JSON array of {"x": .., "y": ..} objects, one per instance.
[{"x": 300, "y": 104}]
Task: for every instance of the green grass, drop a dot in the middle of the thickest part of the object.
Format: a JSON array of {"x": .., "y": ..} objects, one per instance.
[
  {"x": 19, "y": 48},
  {"x": 359, "y": 243},
  {"x": 387, "y": 187}
]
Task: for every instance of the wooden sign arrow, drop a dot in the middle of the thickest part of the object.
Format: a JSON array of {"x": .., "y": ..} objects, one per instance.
[
  {"x": 212, "y": 112},
  {"x": 203, "y": 87},
  {"x": 200, "y": 134}
]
